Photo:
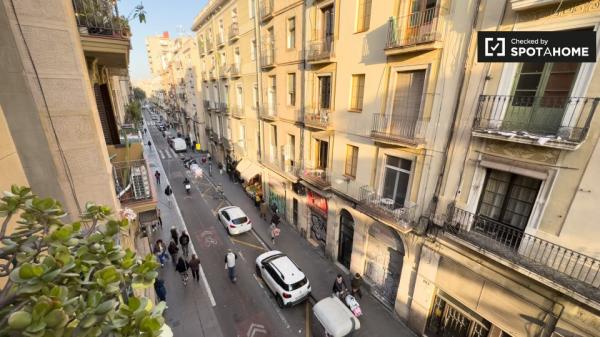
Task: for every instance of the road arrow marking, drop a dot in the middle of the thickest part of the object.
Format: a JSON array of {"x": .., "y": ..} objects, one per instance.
[{"x": 256, "y": 329}]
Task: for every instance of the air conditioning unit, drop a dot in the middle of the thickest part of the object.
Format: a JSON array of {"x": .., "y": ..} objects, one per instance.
[{"x": 139, "y": 180}]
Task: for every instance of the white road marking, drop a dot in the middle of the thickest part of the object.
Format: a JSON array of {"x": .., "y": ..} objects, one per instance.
[
  {"x": 258, "y": 281},
  {"x": 287, "y": 325},
  {"x": 260, "y": 240},
  {"x": 208, "y": 291},
  {"x": 255, "y": 330},
  {"x": 242, "y": 256}
]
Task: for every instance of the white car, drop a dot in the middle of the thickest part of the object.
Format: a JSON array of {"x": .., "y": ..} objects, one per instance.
[
  {"x": 283, "y": 277},
  {"x": 234, "y": 220}
]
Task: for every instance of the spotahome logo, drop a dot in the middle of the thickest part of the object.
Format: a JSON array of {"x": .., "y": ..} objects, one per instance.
[{"x": 560, "y": 46}]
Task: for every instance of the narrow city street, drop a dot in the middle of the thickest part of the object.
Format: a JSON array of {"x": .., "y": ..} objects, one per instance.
[{"x": 246, "y": 306}]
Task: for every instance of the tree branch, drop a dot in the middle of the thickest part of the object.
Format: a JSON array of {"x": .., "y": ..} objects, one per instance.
[{"x": 5, "y": 225}]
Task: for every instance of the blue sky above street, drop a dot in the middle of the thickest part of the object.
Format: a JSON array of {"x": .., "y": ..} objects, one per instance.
[{"x": 174, "y": 16}]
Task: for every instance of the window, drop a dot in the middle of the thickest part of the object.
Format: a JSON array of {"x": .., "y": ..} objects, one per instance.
[
  {"x": 271, "y": 95},
  {"x": 253, "y": 50},
  {"x": 351, "y": 161},
  {"x": 251, "y": 6},
  {"x": 239, "y": 97},
  {"x": 325, "y": 92},
  {"x": 242, "y": 136},
  {"x": 291, "y": 86},
  {"x": 508, "y": 198},
  {"x": 255, "y": 95},
  {"x": 358, "y": 89},
  {"x": 363, "y": 16},
  {"x": 395, "y": 180},
  {"x": 273, "y": 143},
  {"x": 291, "y": 33}
]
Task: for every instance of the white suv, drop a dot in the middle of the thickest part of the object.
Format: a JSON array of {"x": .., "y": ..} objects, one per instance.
[{"x": 283, "y": 277}]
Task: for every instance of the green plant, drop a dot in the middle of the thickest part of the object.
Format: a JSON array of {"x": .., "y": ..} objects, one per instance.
[
  {"x": 134, "y": 112},
  {"x": 70, "y": 279}
]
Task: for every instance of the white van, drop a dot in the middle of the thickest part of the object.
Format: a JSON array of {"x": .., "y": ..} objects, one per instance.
[{"x": 178, "y": 144}]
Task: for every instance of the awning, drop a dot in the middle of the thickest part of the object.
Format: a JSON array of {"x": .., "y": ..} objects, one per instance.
[{"x": 248, "y": 169}]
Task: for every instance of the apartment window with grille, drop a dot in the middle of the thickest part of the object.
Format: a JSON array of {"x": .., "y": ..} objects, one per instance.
[
  {"x": 351, "y": 161},
  {"x": 291, "y": 33},
  {"x": 363, "y": 15},
  {"x": 508, "y": 198},
  {"x": 358, "y": 89},
  {"x": 291, "y": 85}
]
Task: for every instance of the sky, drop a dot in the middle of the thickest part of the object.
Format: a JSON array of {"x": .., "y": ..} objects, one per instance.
[{"x": 174, "y": 16}]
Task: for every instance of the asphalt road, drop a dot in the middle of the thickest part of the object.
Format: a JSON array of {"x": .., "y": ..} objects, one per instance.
[{"x": 246, "y": 306}]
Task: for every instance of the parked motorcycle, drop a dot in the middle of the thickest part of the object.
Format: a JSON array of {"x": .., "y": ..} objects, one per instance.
[{"x": 351, "y": 303}]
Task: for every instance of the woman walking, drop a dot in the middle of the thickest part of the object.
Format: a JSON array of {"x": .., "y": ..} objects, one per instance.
[
  {"x": 160, "y": 251},
  {"x": 182, "y": 268},
  {"x": 195, "y": 267},
  {"x": 173, "y": 250}
]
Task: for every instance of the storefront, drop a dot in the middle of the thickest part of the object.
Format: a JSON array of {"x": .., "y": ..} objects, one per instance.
[
  {"x": 317, "y": 206},
  {"x": 383, "y": 265}
]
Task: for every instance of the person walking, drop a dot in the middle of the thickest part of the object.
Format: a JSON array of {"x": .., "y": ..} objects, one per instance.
[
  {"x": 194, "y": 264},
  {"x": 263, "y": 210},
  {"x": 230, "y": 258},
  {"x": 157, "y": 175},
  {"x": 149, "y": 144},
  {"x": 174, "y": 234},
  {"x": 160, "y": 251},
  {"x": 159, "y": 218},
  {"x": 184, "y": 240},
  {"x": 274, "y": 232},
  {"x": 275, "y": 219},
  {"x": 182, "y": 268},
  {"x": 356, "y": 283},
  {"x": 339, "y": 285},
  {"x": 173, "y": 250},
  {"x": 161, "y": 291},
  {"x": 168, "y": 192}
]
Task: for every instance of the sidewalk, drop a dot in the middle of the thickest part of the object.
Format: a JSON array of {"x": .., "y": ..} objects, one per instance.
[
  {"x": 189, "y": 311},
  {"x": 376, "y": 321}
]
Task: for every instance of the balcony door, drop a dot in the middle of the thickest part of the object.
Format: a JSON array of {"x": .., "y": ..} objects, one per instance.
[
  {"x": 271, "y": 95},
  {"x": 324, "y": 92},
  {"x": 322, "y": 150},
  {"x": 406, "y": 105},
  {"x": 540, "y": 95},
  {"x": 328, "y": 15},
  {"x": 396, "y": 177},
  {"x": 422, "y": 21}
]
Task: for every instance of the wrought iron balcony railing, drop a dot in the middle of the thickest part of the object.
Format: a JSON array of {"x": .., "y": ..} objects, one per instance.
[
  {"x": 554, "y": 118},
  {"x": 132, "y": 181},
  {"x": 234, "y": 31},
  {"x": 386, "y": 209},
  {"x": 413, "y": 29},
  {"x": 398, "y": 128},
  {"x": 221, "y": 39},
  {"x": 572, "y": 270},
  {"x": 319, "y": 118},
  {"x": 320, "y": 50},
  {"x": 265, "y": 9},
  {"x": 267, "y": 55},
  {"x": 234, "y": 70},
  {"x": 320, "y": 178},
  {"x": 98, "y": 17},
  {"x": 223, "y": 71},
  {"x": 268, "y": 112}
]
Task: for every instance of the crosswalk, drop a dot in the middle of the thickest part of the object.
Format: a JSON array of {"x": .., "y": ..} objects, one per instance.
[{"x": 167, "y": 153}]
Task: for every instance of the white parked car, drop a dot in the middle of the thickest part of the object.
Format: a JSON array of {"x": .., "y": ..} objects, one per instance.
[
  {"x": 283, "y": 277},
  {"x": 234, "y": 220}
]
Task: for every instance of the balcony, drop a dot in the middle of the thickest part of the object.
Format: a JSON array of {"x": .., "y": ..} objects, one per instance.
[
  {"x": 213, "y": 136},
  {"x": 212, "y": 74},
  {"x": 320, "y": 51},
  {"x": 132, "y": 182},
  {"x": 318, "y": 119},
  {"x": 104, "y": 35},
  {"x": 221, "y": 39},
  {"x": 398, "y": 129},
  {"x": 268, "y": 113},
  {"x": 223, "y": 71},
  {"x": 265, "y": 10},
  {"x": 319, "y": 178},
  {"x": 206, "y": 104},
  {"x": 570, "y": 269},
  {"x": 204, "y": 75},
  {"x": 234, "y": 70},
  {"x": 226, "y": 143},
  {"x": 234, "y": 31},
  {"x": 222, "y": 108},
  {"x": 209, "y": 46},
  {"x": 237, "y": 111},
  {"x": 267, "y": 56},
  {"x": 283, "y": 166},
  {"x": 239, "y": 151},
  {"x": 551, "y": 121},
  {"x": 386, "y": 210},
  {"x": 421, "y": 30}
]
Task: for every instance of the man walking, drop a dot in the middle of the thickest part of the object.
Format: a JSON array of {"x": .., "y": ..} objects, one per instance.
[
  {"x": 184, "y": 240},
  {"x": 174, "y": 234},
  {"x": 157, "y": 175},
  {"x": 168, "y": 192},
  {"x": 263, "y": 210},
  {"x": 194, "y": 264},
  {"x": 230, "y": 258}
]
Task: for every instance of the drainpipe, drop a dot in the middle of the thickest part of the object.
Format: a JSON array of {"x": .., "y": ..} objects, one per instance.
[
  {"x": 302, "y": 85},
  {"x": 258, "y": 78}
]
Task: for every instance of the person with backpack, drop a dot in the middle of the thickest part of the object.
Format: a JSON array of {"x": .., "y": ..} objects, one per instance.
[
  {"x": 230, "y": 258},
  {"x": 182, "y": 268},
  {"x": 173, "y": 250},
  {"x": 194, "y": 264},
  {"x": 184, "y": 240}
]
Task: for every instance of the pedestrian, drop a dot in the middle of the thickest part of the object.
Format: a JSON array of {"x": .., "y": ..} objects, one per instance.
[
  {"x": 145, "y": 130},
  {"x": 230, "y": 258},
  {"x": 194, "y": 264},
  {"x": 339, "y": 285},
  {"x": 209, "y": 158},
  {"x": 274, "y": 232},
  {"x": 184, "y": 240},
  {"x": 149, "y": 144},
  {"x": 174, "y": 234},
  {"x": 356, "y": 283},
  {"x": 161, "y": 291},
  {"x": 275, "y": 219},
  {"x": 182, "y": 268},
  {"x": 157, "y": 175},
  {"x": 159, "y": 218},
  {"x": 173, "y": 250},
  {"x": 230, "y": 171},
  {"x": 168, "y": 192},
  {"x": 263, "y": 210},
  {"x": 160, "y": 251},
  {"x": 221, "y": 168},
  {"x": 257, "y": 200}
]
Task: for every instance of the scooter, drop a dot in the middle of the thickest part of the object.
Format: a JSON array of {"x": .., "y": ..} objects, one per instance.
[
  {"x": 188, "y": 186},
  {"x": 351, "y": 303}
]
